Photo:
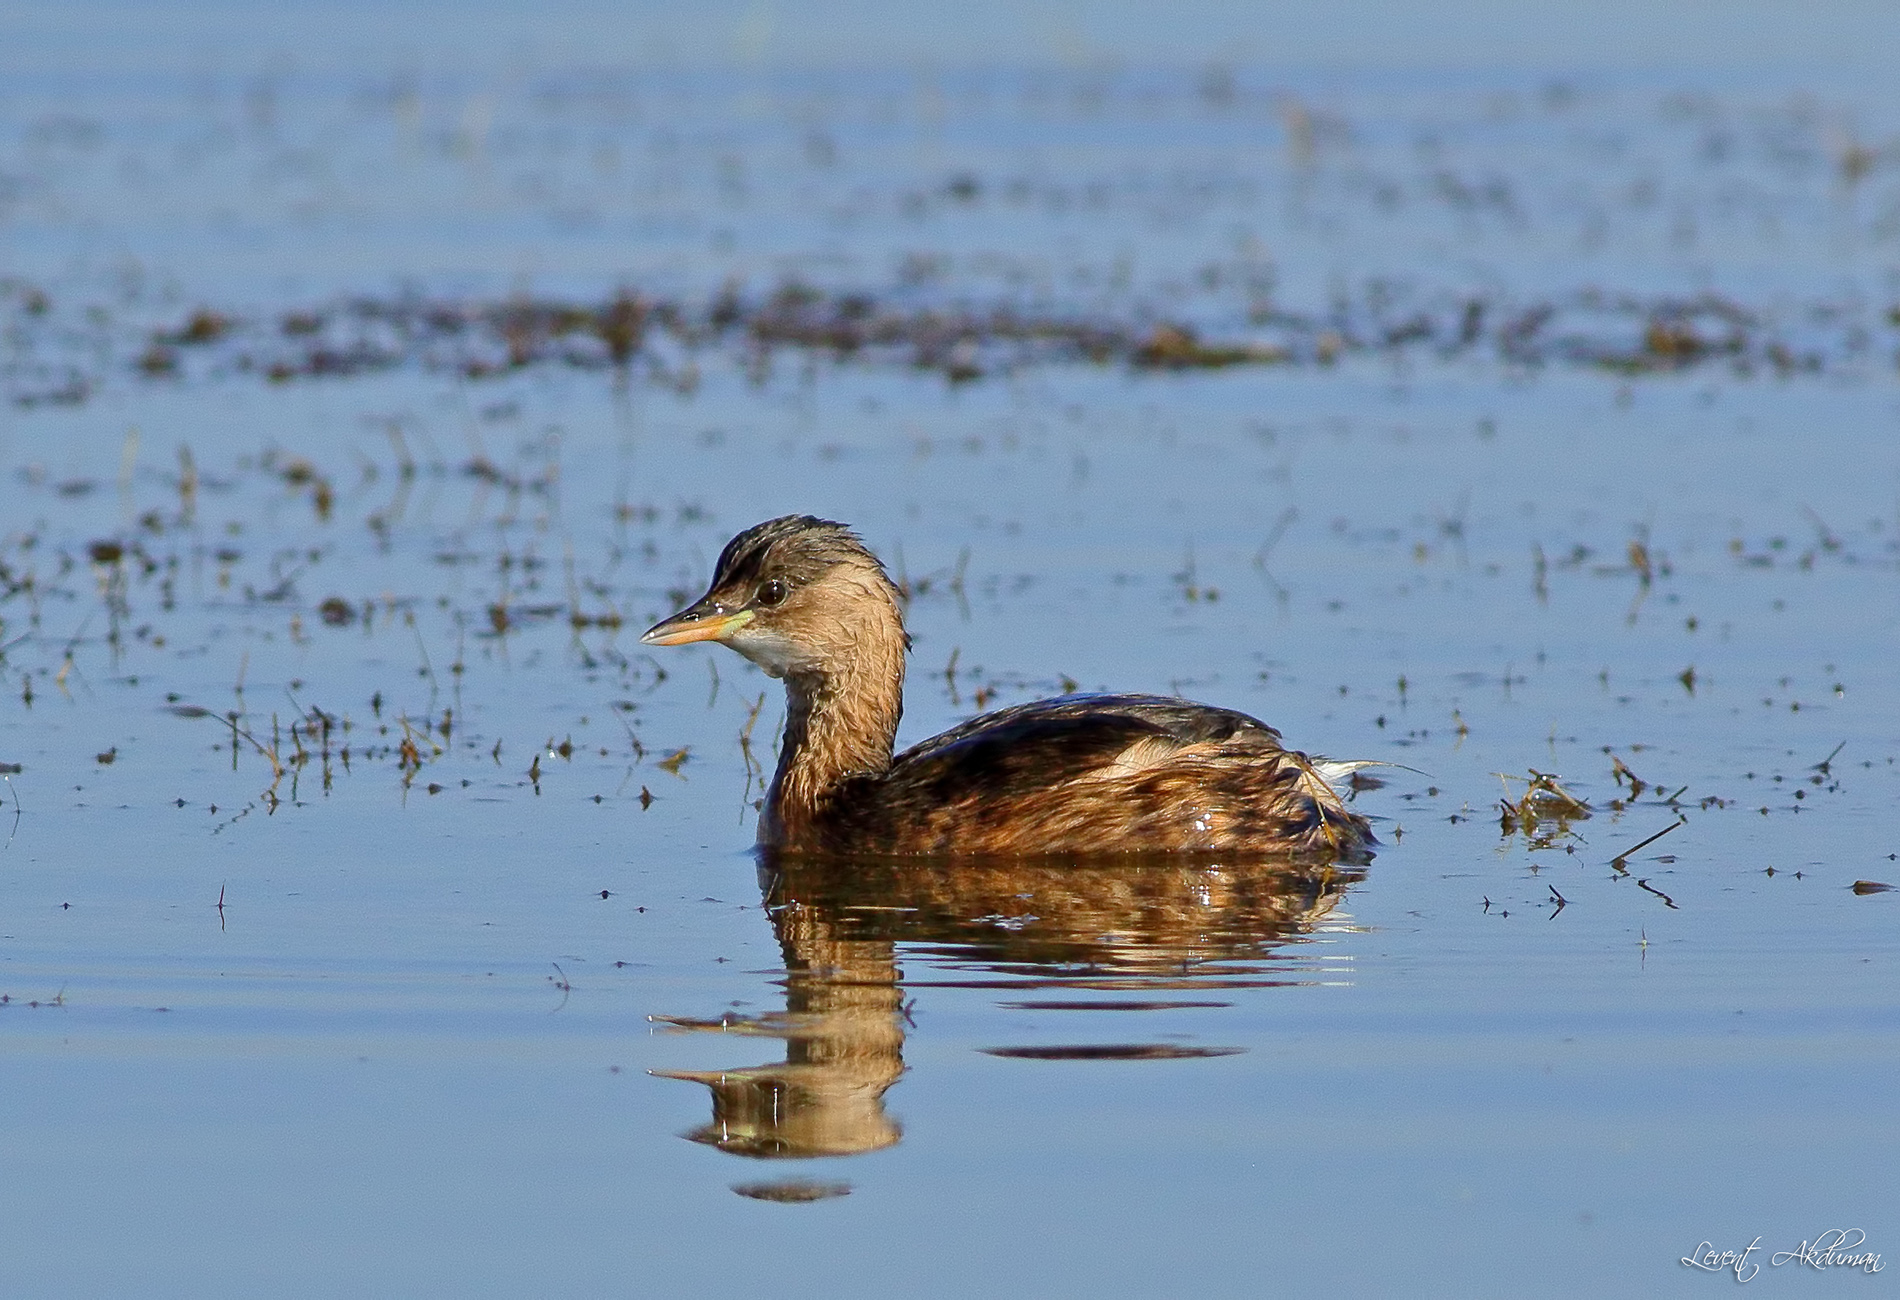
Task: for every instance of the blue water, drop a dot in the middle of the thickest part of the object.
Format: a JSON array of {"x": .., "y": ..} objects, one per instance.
[{"x": 393, "y": 1024}]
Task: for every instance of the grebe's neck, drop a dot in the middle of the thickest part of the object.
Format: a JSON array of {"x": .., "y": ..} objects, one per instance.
[{"x": 841, "y": 720}]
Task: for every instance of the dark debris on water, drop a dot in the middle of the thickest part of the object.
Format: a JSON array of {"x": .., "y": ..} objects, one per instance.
[{"x": 662, "y": 338}]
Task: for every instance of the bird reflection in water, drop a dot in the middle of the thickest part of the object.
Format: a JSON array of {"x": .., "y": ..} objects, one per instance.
[{"x": 1124, "y": 925}]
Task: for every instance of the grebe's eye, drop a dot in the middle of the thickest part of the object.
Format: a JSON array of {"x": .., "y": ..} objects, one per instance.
[{"x": 772, "y": 592}]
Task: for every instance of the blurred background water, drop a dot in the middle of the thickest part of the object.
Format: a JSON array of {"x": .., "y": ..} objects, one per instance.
[{"x": 1486, "y": 390}]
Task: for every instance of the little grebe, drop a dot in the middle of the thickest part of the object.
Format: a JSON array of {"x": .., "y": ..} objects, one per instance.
[{"x": 805, "y": 600}]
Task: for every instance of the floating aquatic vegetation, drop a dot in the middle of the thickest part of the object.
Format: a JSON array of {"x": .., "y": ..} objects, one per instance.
[
  {"x": 792, "y": 1191},
  {"x": 663, "y": 339},
  {"x": 1543, "y": 812}
]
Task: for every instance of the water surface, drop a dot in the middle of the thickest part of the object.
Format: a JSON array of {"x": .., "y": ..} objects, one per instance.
[{"x": 379, "y": 915}]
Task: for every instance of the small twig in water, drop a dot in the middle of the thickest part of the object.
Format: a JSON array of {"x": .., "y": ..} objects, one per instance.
[
  {"x": 1667, "y": 900},
  {"x": 639, "y": 750},
  {"x": 1621, "y": 860},
  {"x": 7, "y": 771},
  {"x": 1830, "y": 540}
]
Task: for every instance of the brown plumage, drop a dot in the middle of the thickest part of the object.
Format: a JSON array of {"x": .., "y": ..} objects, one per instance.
[{"x": 804, "y": 599}]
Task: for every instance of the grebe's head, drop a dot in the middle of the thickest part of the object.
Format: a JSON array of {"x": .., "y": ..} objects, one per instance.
[{"x": 798, "y": 596}]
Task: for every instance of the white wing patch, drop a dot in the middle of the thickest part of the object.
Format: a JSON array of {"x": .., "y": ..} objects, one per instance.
[
  {"x": 1317, "y": 776},
  {"x": 1334, "y": 769}
]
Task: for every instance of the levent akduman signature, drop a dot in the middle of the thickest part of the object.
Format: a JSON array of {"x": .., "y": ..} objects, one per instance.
[{"x": 1835, "y": 1248}]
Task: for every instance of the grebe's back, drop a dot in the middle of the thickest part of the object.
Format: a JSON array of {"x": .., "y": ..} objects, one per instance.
[{"x": 1095, "y": 773}]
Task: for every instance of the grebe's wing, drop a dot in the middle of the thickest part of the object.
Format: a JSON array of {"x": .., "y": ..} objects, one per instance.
[
  {"x": 1073, "y": 737},
  {"x": 1102, "y": 773}
]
